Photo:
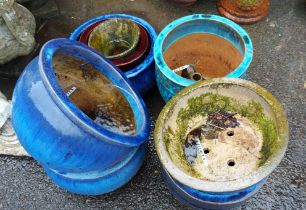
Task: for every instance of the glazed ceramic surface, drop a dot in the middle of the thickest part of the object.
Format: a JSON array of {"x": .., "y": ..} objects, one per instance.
[
  {"x": 142, "y": 76},
  {"x": 201, "y": 193},
  {"x": 78, "y": 154},
  {"x": 130, "y": 61},
  {"x": 115, "y": 38},
  {"x": 169, "y": 83}
]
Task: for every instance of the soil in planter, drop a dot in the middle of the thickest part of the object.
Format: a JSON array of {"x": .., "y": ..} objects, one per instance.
[
  {"x": 211, "y": 55},
  {"x": 93, "y": 93}
]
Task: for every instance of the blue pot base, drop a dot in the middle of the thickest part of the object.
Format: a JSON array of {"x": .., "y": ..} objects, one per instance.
[
  {"x": 205, "y": 200},
  {"x": 98, "y": 185}
]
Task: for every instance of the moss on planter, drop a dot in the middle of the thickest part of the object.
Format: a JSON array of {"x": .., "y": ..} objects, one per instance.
[{"x": 203, "y": 105}]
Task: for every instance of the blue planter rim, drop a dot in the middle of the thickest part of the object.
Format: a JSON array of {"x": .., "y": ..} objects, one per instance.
[
  {"x": 158, "y": 53},
  {"x": 88, "y": 54},
  {"x": 151, "y": 32}
]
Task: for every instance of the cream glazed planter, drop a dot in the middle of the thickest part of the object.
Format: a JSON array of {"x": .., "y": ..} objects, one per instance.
[{"x": 197, "y": 192}]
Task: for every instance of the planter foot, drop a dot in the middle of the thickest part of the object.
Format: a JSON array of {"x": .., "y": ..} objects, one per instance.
[{"x": 100, "y": 182}]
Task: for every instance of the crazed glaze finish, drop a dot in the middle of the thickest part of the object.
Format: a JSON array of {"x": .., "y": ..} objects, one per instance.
[
  {"x": 77, "y": 154},
  {"x": 199, "y": 193},
  {"x": 143, "y": 75},
  {"x": 168, "y": 82}
]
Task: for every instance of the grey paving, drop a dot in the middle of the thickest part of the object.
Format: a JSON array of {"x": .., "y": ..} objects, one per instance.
[{"x": 278, "y": 65}]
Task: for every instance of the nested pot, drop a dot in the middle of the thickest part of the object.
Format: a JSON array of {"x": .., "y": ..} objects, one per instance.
[
  {"x": 142, "y": 75},
  {"x": 170, "y": 83},
  {"x": 77, "y": 153},
  {"x": 239, "y": 158}
]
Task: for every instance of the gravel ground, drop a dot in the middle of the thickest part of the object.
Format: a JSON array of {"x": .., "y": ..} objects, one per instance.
[{"x": 278, "y": 65}]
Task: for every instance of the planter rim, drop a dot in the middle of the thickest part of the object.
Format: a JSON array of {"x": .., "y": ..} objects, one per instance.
[
  {"x": 158, "y": 45},
  {"x": 82, "y": 51},
  {"x": 148, "y": 59},
  {"x": 222, "y": 187}
]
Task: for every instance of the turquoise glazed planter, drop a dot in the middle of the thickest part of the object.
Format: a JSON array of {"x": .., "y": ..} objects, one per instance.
[
  {"x": 168, "y": 82},
  {"x": 217, "y": 185},
  {"x": 78, "y": 154},
  {"x": 143, "y": 75}
]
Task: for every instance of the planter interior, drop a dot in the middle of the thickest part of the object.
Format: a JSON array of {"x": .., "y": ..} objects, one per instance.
[
  {"x": 115, "y": 38},
  {"x": 210, "y": 55},
  {"x": 93, "y": 93},
  {"x": 130, "y": 61},
  {"x": 219, "y": 37},
  {"x": 238, "y": 157}
]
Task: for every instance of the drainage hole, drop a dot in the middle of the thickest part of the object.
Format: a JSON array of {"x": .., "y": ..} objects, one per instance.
[
  {"x": 206, "y": 150},
  {"x": 197, "y": 77},
  {"x": 230, "y": 133},
  {"x": 231, "y": 163}
]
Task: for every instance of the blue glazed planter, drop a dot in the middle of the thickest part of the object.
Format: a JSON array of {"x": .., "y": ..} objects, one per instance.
[
  {"x": 168, "y": 82},
  {"x": 187, "y": 110},
  {"x": 78, "y": 154},
  {"x": 197, "y": 199},
  {"x": 143, "y": 75}
]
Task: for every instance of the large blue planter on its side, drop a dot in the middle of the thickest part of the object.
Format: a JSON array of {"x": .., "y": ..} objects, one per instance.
[
  {"x": 143, "y": 75},
  {"x": 168, "y": 82},
  {"x": 78, "y": 154}
]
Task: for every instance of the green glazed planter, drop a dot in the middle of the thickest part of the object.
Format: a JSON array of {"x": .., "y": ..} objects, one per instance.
[{"x": 115, "y": 38}]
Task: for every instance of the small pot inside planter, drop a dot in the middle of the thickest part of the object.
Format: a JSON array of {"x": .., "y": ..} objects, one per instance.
[
  {"x": 220, "y": 137},
  {"x": 115, "y": 38},
  {"x": 142, "y": 72},
  {"x": 244, "y": 11},
  {"x": 131, "y": 60}
]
